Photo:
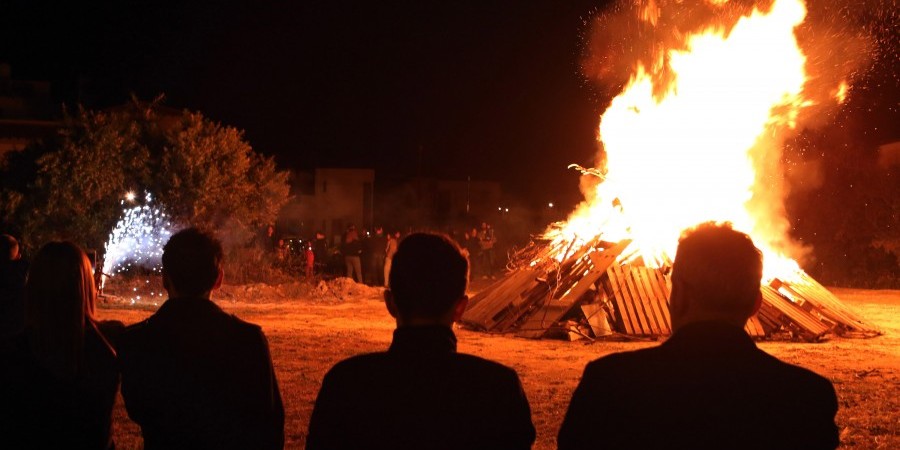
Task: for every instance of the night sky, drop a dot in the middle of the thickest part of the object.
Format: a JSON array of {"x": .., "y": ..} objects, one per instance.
[
  {"x": 491, "y": 90},
  {"x": 488, "y": 89}
]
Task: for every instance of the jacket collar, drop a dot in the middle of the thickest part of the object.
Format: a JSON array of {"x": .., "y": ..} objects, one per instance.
[
  {"x": 705, "y": 338},
  {"x": 425, "y": 339}
]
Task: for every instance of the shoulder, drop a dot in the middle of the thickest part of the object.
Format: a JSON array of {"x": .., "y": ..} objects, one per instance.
[
  {"x": 356, "y": 363},
  {"x": 621, "y": 360},
  {"x": 798, "y": 378},
  {"x": 485, "y": 365}
]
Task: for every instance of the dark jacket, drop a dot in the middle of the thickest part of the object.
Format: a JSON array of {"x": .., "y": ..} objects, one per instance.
[
  {"x": 421, "y": 394},
  {"x": 706, "y": 387},
  {"x": 12, "y": 297},
  {"x": 40, "y": 410},
  {"x": 196, "y": 377}
]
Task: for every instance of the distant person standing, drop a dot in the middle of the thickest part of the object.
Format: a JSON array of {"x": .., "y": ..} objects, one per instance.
[
  {"x": 352, "y": 249},
  {"x": 390, "y": 249},
  {"x": 708, "y": 386},
  {"x": 377, "y": 251},
  {"x": 13, "y": 269},
  {"x": 473, "y": 246},
  {"x": 320, "y": 252},
  {"x": 487, "y": 239},
  {"x": 194, "y": 376},
  {"x": 421, "y": 393}
]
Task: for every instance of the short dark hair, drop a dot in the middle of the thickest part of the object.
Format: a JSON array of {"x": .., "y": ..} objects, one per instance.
[
  {"x": 428, "y": 274},
  {"x": 721, "y": 266},
  {"x": 191, "y": 261}
]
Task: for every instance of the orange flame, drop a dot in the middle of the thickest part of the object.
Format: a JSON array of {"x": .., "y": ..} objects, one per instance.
[{"x": 699, "y": 151}]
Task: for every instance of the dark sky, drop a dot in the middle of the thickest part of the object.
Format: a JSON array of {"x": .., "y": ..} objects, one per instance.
[{"x": 488, "y": 89}]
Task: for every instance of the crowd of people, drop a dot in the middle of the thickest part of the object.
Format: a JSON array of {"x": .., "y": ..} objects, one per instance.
[
  {"x": 365, "y": 255},
  {"x": 193, "y": 376}
]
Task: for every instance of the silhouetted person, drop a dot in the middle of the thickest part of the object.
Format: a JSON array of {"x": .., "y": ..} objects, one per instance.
[
  {"x": 377, "y": 247},
  {"x": 194, "y": 376},
  {"x": 58, "y": 378},
  {"x": 421, "y": 393},
  {"x": 393, "y": 240},
  {"x": 708, "y": 386},
  {"x": 12, "y": 287},
  {"x": 320, "y": 252},
  {"x": 352, "y": 249}
]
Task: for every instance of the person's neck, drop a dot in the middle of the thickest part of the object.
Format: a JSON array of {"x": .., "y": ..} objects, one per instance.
[{"x": 708, "y": 317}]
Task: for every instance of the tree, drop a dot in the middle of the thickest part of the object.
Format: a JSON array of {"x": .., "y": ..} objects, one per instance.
[{"x": 72, "y": 186}]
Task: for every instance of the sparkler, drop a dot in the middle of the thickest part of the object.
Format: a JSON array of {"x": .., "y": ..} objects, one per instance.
[{"x": 136, "y": 244}]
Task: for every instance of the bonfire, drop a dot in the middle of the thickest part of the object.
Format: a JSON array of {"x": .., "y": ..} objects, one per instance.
[{"x": 695, "y": 136}]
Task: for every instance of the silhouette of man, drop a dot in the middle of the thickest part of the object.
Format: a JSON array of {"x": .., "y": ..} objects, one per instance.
[
  {"x": 194, "y": 376},
  {"x": 421, "y": 393},
  {"x": 707, "y": 386}
]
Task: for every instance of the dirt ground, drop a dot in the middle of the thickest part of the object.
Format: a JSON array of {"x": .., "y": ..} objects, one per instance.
[{"x": 310, "y": 329}]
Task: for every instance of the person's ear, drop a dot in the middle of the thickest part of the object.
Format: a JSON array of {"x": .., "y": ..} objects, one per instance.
[
  {"x": 219, "y": 278},
  {"x": 389, "y": 303},
  {"x": 460, "y": 308}
]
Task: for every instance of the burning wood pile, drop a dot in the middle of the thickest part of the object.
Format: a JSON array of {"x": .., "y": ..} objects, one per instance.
[
  {"x": 605, "y": 290},
  {"x": 714, "y": 91}
]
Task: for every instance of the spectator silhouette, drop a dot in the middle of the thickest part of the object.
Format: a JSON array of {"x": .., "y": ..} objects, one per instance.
[
  {"x": 707, "y": 386},
  {"x": 12, "y": 287},
  {"x": 421, "y": 393},
  {"x": 194, "y": 376},
  {"x": 58, "y": 378},
  {"x": 377, "y": 250},
  {"x": 352, "y": 249}
]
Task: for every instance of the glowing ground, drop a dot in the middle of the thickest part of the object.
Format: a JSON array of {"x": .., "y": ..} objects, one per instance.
[{"x": 307, "y": 335}]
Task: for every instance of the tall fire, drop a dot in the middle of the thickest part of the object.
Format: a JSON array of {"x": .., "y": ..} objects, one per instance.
[{"x": 694, "y": 136}]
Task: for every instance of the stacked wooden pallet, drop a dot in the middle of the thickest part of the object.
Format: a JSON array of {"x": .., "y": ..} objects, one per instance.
[{"x": 595, "y": 287}]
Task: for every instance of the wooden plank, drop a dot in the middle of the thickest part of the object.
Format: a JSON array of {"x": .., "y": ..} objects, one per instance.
[
  {"x": 807, "y": 325},
  {"x": 485, "y": 312},
  {"x": 544, "y": 318},
  {"x": 645, "y": 274},
  {"x": 636, "y": 302},
  {"x": 647, "y": 302},
  {"x": 827, "y": 304},
  {"x": 663, "y": 294},
  {"x": 754, "y": 327},
  {"x": 555, "y": 309},
  {"x": 623, "y": 300},
  {"x": 597, "y": 319}
]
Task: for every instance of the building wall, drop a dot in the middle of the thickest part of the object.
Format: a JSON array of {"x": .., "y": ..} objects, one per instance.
[{"x": 338, "y": 198}]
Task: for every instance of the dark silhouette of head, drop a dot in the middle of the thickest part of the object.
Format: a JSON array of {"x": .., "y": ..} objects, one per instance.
[
  {"x": 428, "y": 280},
  {"x": 716, "y": 276},
  {"x": 192, "y": 263},
  {"x": 9, "y": 248},
  {"x": 59, "y": 305}
]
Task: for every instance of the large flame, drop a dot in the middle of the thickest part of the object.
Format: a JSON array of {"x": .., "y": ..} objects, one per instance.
[{"x": 699, "y": 149}]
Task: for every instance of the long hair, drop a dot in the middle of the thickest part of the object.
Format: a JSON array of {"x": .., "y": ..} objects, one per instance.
[{"x": 59, "y": 306}]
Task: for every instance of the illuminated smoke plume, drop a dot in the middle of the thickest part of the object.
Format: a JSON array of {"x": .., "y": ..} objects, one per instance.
[{"x": 136, "y": 243}]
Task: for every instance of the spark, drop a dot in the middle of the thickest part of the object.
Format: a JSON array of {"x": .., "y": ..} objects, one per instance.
[{"x": 137, "y": 241}]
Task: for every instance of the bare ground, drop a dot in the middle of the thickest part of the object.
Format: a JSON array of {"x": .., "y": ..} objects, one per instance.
[{"x": 311, "y": 329}]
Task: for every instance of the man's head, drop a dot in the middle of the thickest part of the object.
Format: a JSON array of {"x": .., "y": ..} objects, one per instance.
[
  {"x": 379, "y": 231},
  {"x": 192, "y": 263},
  {"x": 428, "y": 281},
  {"x": 9, "y": 248},
  {"x": 716, "y": 276}
]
